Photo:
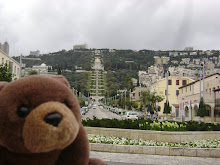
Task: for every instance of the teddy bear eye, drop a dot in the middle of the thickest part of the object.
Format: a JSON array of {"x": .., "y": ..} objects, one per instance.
[
  {"x": 65, "y": 103},
  {"x": 23, "y": 111}
]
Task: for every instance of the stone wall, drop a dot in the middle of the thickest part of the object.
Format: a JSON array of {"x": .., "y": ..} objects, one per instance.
[{"x": 152, "y": 150}]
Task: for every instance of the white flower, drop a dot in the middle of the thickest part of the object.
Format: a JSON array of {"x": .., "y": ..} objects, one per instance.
[{"x": 123, "y": 141}]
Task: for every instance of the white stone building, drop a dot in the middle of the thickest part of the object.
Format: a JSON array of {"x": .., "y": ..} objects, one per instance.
[
  {"x": 183, "y": 53},
  {"x": 185, "y": 61},
  {"x": 83, "y": 46},
  {"x": 175, "y": 54},
  {"x": 42, "y": 69},
  {"x": 193, "y": 53},
  {"x": 13, "y": 64},
  {"x": 35, "y": 53},
  {"x": 189, "y": 48},
  {"x": 5, "y": 47},
  {"x": 189, "y": 98}
]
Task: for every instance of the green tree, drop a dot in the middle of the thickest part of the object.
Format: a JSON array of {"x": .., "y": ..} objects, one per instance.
[
  {"x": 167, "y": 108},
  {"x": 81, "y": 101},
  {"x": 148, "y": 97},
  {"x": 5, "y": 74},
  {"x": 32, "y": 72},
  {"x": 149, "y": 108},
  {"x": 202, "y": 109},
  {"x": 59, "y": 71}
]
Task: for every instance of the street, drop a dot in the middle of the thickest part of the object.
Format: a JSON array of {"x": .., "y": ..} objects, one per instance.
[{"x": 100, "y": 113}]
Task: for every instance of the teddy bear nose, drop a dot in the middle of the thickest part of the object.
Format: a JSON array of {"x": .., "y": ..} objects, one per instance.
[{"x": 53, "y": 119}]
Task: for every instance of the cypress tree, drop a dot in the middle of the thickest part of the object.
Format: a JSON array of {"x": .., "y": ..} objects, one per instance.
[
  {"x": 167, "y": 108},
  {"x": 202, "y": 109}
]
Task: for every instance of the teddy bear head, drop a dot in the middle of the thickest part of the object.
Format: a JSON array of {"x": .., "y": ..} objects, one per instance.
[{"x": 38, "y": 114}]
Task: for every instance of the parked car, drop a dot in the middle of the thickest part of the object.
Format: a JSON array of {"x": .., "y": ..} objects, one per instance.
[
  {"x": 130, "y": 115},
  {"x": 83, "y": 111},
  {"x": 112, "y": 109},
  {"x": 86, "y": 108},
  {"x": 140, "y": 115},
  {"x": 119, "y": 111},
  {"x": 94, "y": 107}
]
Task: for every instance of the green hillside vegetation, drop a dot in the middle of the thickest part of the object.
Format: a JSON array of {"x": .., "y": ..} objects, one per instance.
[
  {"x": 119, "y": 60},
  {"x": 79, "y": 81},
  {"x": 63, "y": 59}
]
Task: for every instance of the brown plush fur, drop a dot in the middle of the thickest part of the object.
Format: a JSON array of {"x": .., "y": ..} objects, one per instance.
[{"x": 30, "y": 140}]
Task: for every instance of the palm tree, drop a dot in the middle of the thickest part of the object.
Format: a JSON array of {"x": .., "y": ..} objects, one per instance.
[{"x": 148, "y": 97}]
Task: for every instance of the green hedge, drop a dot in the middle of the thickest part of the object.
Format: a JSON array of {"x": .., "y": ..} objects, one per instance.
[{"x": 152, "y": 125}]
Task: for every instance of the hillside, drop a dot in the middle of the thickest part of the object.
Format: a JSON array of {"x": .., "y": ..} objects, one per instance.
[{"x": 62, "y": 59}]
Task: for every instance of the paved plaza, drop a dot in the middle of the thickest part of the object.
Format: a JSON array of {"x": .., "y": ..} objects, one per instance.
[{"x": 135, "y": 159}]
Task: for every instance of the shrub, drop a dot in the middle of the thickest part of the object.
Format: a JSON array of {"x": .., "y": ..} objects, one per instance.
[{"x": 148, "y": 124}]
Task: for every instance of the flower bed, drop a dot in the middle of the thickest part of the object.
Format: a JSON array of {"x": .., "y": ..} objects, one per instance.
[{"x": 140, "y": 142}]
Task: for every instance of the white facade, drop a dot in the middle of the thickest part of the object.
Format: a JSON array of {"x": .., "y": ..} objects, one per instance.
[
  {"x": 5, "y": 48},
  {"x": 35, "y": 53},
  {"x": 189, "y": 97},
  {"x": 41, "y": 70},
  {"x": 189, "y": 48},
  {"x": 165, "y": 59},
  {"x": 185, "y": 61},
  {"x": 98, "y": 65},
  {"x": 143, "y": 77},
  {"x": 13, "y": 64},
  {"x": 161, "y": 60},
  {"x": 183, "y": 53},
  {"x": 197, "y": 61},
  {"x": 158, "y": 60},
  {"x": 83, "y": 46},
  {"x": 175, "y": 54},
  {"x": 193, "y": 53}
]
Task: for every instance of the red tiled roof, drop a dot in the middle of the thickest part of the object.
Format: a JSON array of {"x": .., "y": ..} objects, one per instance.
[{"x": 176, "y": 105}]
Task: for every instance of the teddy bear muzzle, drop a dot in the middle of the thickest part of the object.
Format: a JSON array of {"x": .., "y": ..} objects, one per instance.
[{"x": 50, "y": 126}]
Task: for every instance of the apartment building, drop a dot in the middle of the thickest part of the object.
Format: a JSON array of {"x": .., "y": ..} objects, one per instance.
[
  {"x": 175, "y": 54},
  {"x": 189, "y": 48},
  {"x": 158, "y": 60},
  {"x": 174, "y": 82},
  {"x": 35, "y": 53},
  {"x": 13, "y": 65},
  {"x": 189, "y": 98},
  {"x": 41, "y": 70},
  {"x": 83, "y": 46},
  {"x": 5, "y": 47},
  {"x": 161, "y": 60},
  {"x": 143, "y": 77},
  {"x": 137, "y": 93},
  {"x": 184, "y": 53}
]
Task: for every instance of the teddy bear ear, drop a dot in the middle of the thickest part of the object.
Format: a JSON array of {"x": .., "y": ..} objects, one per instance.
[
  {"x": 61, "y": 79},
  {"x": 2, "y": 84}
]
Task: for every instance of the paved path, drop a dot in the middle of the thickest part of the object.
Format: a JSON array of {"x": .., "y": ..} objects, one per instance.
[
  {"x": 139, "y": 159},
  {"x": 97, "y": 83}
]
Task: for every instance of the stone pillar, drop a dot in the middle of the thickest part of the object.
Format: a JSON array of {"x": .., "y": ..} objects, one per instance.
[{"x": 212, "y": 114}]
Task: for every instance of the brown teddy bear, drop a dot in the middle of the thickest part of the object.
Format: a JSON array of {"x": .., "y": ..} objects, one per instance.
[{"x": 40, "y": 124}]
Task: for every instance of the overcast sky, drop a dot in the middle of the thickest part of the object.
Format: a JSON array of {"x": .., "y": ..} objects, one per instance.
[{"x": 53, "y": 25}]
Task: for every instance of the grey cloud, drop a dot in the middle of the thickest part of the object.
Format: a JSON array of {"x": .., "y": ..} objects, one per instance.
[{"x": 127, "y": 24}]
